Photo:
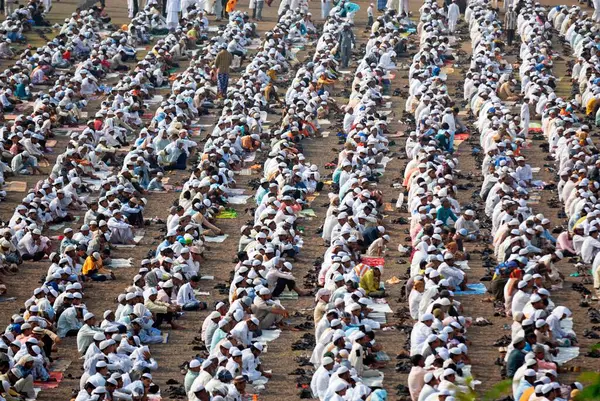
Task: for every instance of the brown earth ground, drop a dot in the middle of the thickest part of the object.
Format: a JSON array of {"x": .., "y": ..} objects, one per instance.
[{"x": 280, "y": 357}]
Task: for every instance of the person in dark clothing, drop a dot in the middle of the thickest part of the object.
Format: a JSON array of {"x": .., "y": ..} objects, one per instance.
[{"x": 516, "y": 357}]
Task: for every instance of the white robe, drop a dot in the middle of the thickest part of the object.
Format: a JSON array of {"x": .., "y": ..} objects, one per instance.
[{"x": 173, "y": 9}]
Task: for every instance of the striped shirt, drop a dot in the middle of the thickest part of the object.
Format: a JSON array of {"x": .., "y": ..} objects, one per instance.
[{"x": 510, "y": 20}]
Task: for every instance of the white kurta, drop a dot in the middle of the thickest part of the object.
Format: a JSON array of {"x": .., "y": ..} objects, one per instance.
[{"x": 173, "y": 9}]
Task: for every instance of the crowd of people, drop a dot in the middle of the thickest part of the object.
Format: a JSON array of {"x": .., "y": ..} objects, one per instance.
[
  {"x": 346, "y": 354},
  {"x": 526, "y": 250},
  {"x": 569, "y": 139},
  {"x": 96, "y": 176}
]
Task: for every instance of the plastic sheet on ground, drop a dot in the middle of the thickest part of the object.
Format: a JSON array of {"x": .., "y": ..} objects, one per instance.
[
  {"x": 238, "y": 199},
  {"x": 218, "y": 238},
  {"x": 116, "y": 263},
  {"x": 566, "y": 354},
  {"x": 474, "y": 289},
  {"x": 268, "y": 335},
  {"x": 373, "y": 381},
  {"x": 381, "y": 308}
]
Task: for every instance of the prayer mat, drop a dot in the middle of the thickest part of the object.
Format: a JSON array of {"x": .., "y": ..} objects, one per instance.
[
  {"x": 138, "y": 236},
  {"x": 288, "y": 295},
  {"x": 474, "y": 289},
  {"x": 78, "y": 128},
  {"x": 50, "y": 143},
  {"x": 235, "y": 191},
  {"x": 15, "y": 186},
  {"x": 21, "y": 107},
  {"x": 57, "y": 376},
  {"x": 217, "y": 239},
  {"x": 207, "y": 277},
  {"x": 325, "y": 134},
  {"x": 308, "y": 213},
  {"x": 372, "y": 261},
  {"x": 56, "y": 227},
  {"x": 323, "y": 121},
  {"x": 381, "y": 308},
  {"x": 8, "y": 299},
  {"x": 312, "y": 197},
  {"x": 534, "y": 198},
  {"x": 227, "y": 214},
  {"x": 535, "y": 128}
]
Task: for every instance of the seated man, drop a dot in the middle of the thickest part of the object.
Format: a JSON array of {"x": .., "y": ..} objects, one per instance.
[
  {"x": 267, "y": 311},
  {"x": 371, "y": 282},
  {"x": 94, "y": 270}
]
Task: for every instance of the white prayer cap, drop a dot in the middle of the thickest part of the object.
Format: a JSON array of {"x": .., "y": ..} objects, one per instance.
[
  {"x": 326, "y": 361},
  {"x": 426, "y": 316}
]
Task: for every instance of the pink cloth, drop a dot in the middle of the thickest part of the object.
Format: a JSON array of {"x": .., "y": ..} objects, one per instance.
[{"x": 416, "y": 381}]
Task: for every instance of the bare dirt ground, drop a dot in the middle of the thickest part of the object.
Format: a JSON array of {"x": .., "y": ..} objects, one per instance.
[{"x": 280, "y": 357}]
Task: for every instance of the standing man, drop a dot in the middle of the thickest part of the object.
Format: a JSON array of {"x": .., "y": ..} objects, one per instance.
[
  {"x": 257, "y": 11},
  {"x": 173, "y": 9},
  {"x": 510, "y": 24},
  {"x": 325, "y": 8},
  {"x": 222, "y": 64},
  {"x": 346, "y": 44},
  {"x": 453, "y": 15},
  {"x": 525, "y": 117},
  {"x": 403, "y": 7}
]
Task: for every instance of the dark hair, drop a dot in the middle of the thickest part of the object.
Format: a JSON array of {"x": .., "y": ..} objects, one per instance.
[{"x": 415, "y": 359}]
